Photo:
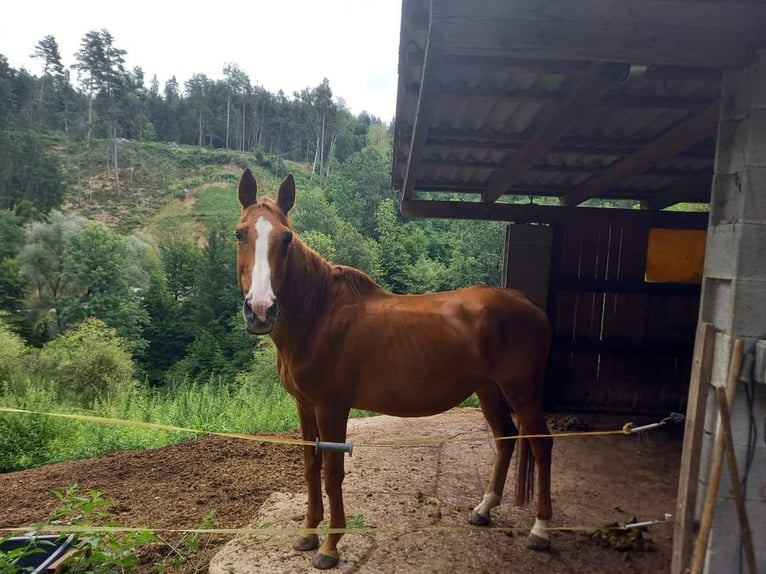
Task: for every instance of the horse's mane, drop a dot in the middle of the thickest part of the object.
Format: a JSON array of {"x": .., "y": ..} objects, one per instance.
[
  {"x": 357, "y": 281},
  {"x": 310, "y": 268}
]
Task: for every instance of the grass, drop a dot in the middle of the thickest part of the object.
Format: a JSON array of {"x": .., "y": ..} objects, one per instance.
[{"x": 252, "y": 403}]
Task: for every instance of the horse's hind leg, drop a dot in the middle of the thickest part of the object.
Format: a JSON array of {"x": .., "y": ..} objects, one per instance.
[
  {"x": 498, "y": 414},
  {"x": 532, "y": 422}
]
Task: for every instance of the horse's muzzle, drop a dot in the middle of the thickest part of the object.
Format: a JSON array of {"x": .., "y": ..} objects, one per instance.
[{"x": 259, "y": 318}]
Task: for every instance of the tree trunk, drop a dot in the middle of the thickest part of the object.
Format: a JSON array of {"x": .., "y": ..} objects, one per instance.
[
  {"x": 90, "y": 118},
  {"x": 114, "y": 158},
  {"x": 40, "y": 102},
  {"x": 329, "y": 155},
  {"x": 316, "y": 159},
  {"x": 321, "y": 150},
  {"x": 199, "y": 140},
  {"x": 243, "y": 123},
  {"x": 228, "y": 117}
]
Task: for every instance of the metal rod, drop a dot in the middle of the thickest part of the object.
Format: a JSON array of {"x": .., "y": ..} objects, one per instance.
[{"x": 335, "y": 446}]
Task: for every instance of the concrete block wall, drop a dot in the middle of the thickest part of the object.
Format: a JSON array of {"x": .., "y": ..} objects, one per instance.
[{"x": 734, "y": 300}]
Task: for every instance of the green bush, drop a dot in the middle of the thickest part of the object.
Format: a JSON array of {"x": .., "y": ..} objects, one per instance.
[
  {"x": 87, "y": 363},
  {"x": 12, "y": 358},
  {"x": 25, "y": 439}
]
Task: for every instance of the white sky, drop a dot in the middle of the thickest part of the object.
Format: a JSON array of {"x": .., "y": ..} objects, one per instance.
[{"x": 281, "y": 44}]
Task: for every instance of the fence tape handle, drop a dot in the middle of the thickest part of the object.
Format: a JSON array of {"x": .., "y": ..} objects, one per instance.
[{"x": 335, "y": 446}]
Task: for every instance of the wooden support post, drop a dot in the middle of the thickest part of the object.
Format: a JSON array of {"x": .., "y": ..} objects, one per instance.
[
  {"x": 736, "y": 486},
  {"x": 706, "y": 523},
  {"x": 699, "y": 383}
]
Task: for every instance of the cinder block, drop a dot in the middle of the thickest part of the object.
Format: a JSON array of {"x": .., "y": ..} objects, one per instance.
[
  {"x": 750, "y": 242},
  {"x": 736, "y": 250},
  {"x": 739, "y": 197},
  {"x": 732, "y": 139},
  {"x": 749, "y": 307},
  {"x": 758, "y": 92},
  {"x": 756, "y": 479},
  {"x": 736, "y": 99},
  {"x": 740, "y": 414},
  {"x": 721, "y": 251},
  {"x": 717, "y": 302},
  {"x": 726, "y": 198},
  {"x": 723, "y": 548},
  {"x": 754, "y": 189},
  {"x": 755, "y": 146}
]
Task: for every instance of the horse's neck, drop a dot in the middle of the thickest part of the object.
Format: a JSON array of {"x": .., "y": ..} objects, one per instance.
[{"x": 304, "y": 296}]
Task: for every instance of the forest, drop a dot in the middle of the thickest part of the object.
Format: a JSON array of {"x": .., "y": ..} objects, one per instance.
[{"x": 117, "y": 205}]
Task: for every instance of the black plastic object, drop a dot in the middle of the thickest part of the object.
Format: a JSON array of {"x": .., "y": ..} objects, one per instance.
[{"x": 44, "y": 551}]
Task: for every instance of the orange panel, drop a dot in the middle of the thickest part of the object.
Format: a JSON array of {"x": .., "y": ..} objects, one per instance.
[{"x": 675, "y": 255}]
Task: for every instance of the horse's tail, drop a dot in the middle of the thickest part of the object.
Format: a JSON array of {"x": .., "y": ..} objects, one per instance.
[{"x": 525, "y": 473}]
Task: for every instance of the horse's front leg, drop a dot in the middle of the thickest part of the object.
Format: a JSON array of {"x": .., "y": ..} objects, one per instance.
[
  {"x": 332, "y": 427},
  {"x": 312, "y": 468}
]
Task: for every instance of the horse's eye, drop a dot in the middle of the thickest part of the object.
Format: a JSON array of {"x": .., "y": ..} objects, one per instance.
[
  {"x": 239, "y": 234},
  {"x": 287, "y": 238}
]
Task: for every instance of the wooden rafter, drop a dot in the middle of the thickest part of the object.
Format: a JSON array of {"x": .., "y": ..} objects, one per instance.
[
  {"x": 532, "y": 213},
  {"x": 535, "y": 66},
  {"x": 684, "y": 135},
  {"x": 536, "y": 97},
  {"x": 560, "y": 168},
  {"x": 472, "y": 188},
  {"x": 555, "y": 121},
  {"x": 693, "y": 189},
  {"x": 579, "y": 145}
]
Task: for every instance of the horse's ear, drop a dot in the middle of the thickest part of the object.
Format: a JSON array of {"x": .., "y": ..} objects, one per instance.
[
  {"x": 286, "y": 195},
  {"x": 247, "y": 189}
]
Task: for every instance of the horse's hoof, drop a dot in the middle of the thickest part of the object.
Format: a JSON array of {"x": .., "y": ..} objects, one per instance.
[
  {"x": 535, "y": 542},
  {"x": 478, "y": 519},
  {"x": 323, "y": 561},
  {"x": 304, "y": 543}
]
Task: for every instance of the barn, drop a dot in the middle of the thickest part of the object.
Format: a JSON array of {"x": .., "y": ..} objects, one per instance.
[{"x": 624, "y": 143}]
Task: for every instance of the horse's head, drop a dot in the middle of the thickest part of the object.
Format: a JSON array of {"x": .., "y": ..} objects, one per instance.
[{"x": 263, "y": 244}]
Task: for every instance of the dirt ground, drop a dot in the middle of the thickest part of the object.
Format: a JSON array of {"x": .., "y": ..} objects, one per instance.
[{"x": 419, "y": 498}]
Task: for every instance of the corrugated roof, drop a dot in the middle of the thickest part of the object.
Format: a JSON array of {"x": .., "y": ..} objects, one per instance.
[{"x": 488, "y": 102}]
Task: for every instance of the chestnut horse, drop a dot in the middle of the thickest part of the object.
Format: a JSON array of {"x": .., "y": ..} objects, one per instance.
[{"x": 343, "y": 342}]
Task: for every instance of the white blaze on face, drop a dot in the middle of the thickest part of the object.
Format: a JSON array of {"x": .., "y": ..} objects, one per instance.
[{"x": 261, "y": 293}]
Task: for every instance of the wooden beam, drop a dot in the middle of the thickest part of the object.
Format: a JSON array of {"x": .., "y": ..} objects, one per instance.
[
  {"x": 684, "y": 135},
  {"x": 699, "y": 556},
  {"x": 429, "y": 85},
  {"x": 569, "y": 169},
  {"x": 720, "y": 35},
  {"x": 538, "y": 66},
  {"x": 536, "y": 97},
  {"x": 693, "y": 189},
  {"x": 472, "y": 188},
  {"x": 567, "y": 144},
  {"x": 737, "y": 14},
  {"x": 699, "y": 383},
  {"x": 553, "y": 122},
  {"x": 532, "y": 213}
]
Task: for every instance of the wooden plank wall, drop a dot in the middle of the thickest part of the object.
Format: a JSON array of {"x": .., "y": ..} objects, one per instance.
[{"x": 620, "y": 344}]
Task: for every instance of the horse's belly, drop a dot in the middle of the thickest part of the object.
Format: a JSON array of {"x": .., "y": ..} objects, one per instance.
[{"x": 417, "y": 388}]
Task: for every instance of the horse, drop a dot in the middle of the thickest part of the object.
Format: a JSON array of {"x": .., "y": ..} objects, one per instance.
[{"x": 344, "y": 342}]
